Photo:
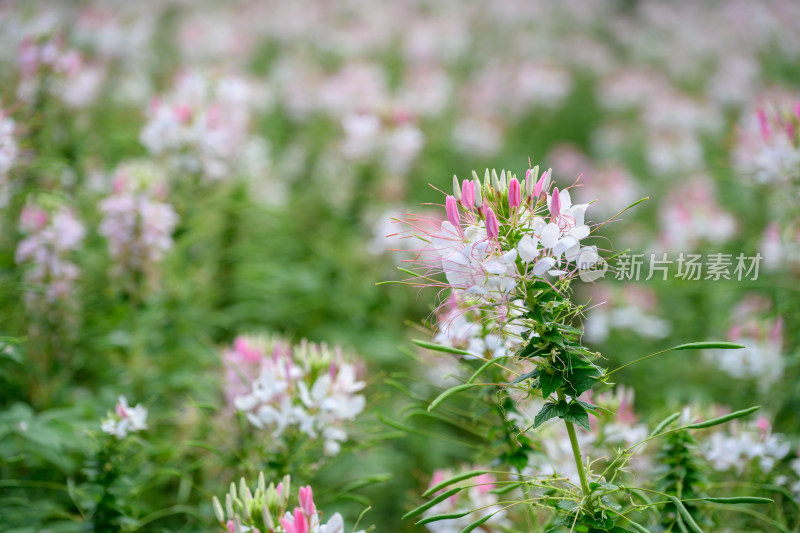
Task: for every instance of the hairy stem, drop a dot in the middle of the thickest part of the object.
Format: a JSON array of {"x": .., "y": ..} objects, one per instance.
[{"x": 576, "y": 451}]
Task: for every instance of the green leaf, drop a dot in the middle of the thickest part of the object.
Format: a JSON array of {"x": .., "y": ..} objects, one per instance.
[
  {"x": 580, "y": 380},
  {"x": 550, "y": 410},
  {"x": 440, "y": 348},
  {"x": 449, "y": 392},
  {"x": 528, "y": 375},
  {"x": 723, "y": 419},
  {"x": 577, "y": 415},
  {"x": 549, "y": 383},
  {"x": 456, "y": 479}
]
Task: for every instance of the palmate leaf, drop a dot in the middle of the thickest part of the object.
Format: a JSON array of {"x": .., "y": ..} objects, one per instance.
[
  {"x": 578, "y": 381},
  {"x": 577, "y": 415},
  {"x": 550, "y": 382},
  {"x": 550, "y": 410}
]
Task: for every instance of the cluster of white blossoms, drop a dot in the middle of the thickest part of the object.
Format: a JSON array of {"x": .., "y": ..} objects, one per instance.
[
  {"x": 266, "y": 510},
  {"x": 8, "y": 146},
  {"x": 768, "y": 143},
  {"x": 761, "y": 360},
  {"x": 204, "y": 125},
  {"x": 464, "y": 329},
  {"x": 136, "y": 222},
  {"x": 737, "y": 445},
  {"x": 478, "y": 496},
  {"x": 501, "y": 236},
  {"x": 125, "y": 419},
  {"x": 51, "y": 234},
  {"x": 307, "y": 387}
]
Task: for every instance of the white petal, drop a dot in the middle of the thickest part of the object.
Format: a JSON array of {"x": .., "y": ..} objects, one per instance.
[
  {"x": 528, "y": 248},
  {"x": 580, "y": 232},
  {"x": 550, "y": 235},
  {"x": 509, "y": 257},
  {"x": 564, "y": 244},
  {"x": 543, "y": 265}
]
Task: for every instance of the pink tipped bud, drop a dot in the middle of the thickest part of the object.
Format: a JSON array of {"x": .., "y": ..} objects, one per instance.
[
  {"x": 492, "y": 224},
  {"x": 555, "y": 205},
  {"x": 542, "y": 185},
  {"x": 456, "y": 188},
  {"x": 514, "y": 193},
  {"x": 307, "y": 501},
  {"x": 762, "y": 121},
  {"x": 451, "y": 207},
  {"x": 468, "y": 194}
]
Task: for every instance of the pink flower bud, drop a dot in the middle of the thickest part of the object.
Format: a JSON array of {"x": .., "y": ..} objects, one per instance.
[
  {"x": 451, "y": 207},
  {"x": 542, "y": 185},
  {"x": 762, "y": 120},
  {"x": 514, "y": 193},
  {"x": 555, "y": 205},
  {"x": 468, "y": 194},
  {"x": 307, "y": 501},
  {"x": 492, "y": 224}
]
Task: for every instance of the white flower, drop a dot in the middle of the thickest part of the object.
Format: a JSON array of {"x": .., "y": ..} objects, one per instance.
[{"x": 126, "y": 419}]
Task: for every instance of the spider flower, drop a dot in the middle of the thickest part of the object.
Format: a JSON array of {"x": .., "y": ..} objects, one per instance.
[
  {"x": 266, "y": 510},
  {"x": 308, "y": 387},
  {"x": 125, "y": 419},
  {"x": 52, "y": 232},
  {"x": 500, "y": 238},
  {"x": 768, "y": 144},
  {"x": 136, "y": 222}
]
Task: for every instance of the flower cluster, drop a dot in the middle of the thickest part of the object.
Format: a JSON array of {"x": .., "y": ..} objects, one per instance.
[
  {"x": 476, "y": 502},
  {"x": 48, "y": 62},
  {"x": 125, "y": 419},
  {"x": 503, "y": 234},
  {"x": 52, "y": 233},
  {"x": 8, "y": 146},
  {"x": 204, "y": 125},
  {"x": 629, "y": 308},
  {"x": 768, "y": 144},
  {"x": 761, "y": 358},
  {"x": 738, "y": 444},
  {"x": 266, "y": 510},
  {"x": 136, "y": 222},
  {"x": 307, "y": 387}
]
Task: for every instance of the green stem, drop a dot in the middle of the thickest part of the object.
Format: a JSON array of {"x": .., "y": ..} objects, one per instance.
[{"x": 576, "y": 451}]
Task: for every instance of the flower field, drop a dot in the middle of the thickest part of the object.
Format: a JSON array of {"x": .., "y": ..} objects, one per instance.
[{"x": 327, "y": 267}]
